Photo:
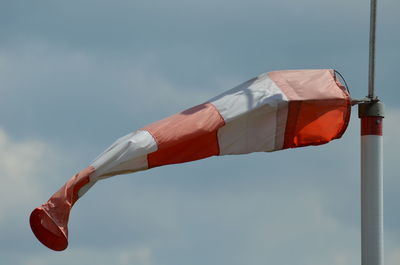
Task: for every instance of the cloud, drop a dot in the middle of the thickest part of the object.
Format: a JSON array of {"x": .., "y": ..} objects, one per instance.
[
  {"x": 29, "y": 171},
  {"x": 231, "y": 222},
  {"x": 140, "y": 255},
  {"x": 393, "y": 256},
  {"x": 76, "y": 76},
  {"x": 57, "y": 83},
  {"x": 19, "y": 163}
]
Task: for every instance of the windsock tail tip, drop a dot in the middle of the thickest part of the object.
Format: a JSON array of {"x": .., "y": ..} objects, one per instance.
[{"x": 47, "y": 231}]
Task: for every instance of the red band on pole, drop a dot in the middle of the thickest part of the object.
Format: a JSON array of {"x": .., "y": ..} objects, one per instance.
[{"x": 371, "y": 126}]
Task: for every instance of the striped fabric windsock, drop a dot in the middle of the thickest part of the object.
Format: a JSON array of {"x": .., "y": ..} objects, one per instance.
[{"x": 274, "y": 111}]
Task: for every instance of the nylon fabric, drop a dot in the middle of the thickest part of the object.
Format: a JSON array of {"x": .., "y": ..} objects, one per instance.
[
  {"x": 253, "y": 122},
  {"x": 319, "y": 106},
  {"x": 127, "y": 154},
  {"x": 49, "y": 222},
  {"x": 274, "y": 111},
  {"x": 187, "y": 136}
]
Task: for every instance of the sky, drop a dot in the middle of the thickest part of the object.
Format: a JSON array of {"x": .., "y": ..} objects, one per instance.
[{"x": 77, "y": 75}]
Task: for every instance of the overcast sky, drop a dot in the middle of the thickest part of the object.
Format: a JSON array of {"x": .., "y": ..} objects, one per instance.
[{"x": 77, "y": 75}]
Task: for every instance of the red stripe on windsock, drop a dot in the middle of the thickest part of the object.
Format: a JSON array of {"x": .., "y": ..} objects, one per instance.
[
  {"x": 49, "y": 222},
  {"x": 186, "y": 136},
  {"x": 371, "y": 125},
  {"x": 319, "y": 107},
  {"x": 315, "y": 123}
]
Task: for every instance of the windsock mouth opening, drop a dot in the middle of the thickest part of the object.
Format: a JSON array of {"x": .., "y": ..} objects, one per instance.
[{"x": 47, "y": 231}]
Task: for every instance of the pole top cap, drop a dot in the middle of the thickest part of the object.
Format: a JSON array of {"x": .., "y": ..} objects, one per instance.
[{"x": 371, "y": 108}]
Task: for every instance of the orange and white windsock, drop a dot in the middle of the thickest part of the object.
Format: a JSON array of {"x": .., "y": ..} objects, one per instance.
[{"x": 274, "y": 111}]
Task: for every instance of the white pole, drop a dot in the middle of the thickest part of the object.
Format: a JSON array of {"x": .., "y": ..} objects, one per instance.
[{"x": 371, "y": 115}]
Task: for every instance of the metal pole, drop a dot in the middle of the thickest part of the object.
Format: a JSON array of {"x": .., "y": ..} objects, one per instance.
[
  {"x": 371, "y": 115},
  {"x": 372, "y": 38}
]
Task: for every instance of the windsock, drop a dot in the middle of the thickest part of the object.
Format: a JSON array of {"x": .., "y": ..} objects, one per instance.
[{"x": 274, "y": 111}]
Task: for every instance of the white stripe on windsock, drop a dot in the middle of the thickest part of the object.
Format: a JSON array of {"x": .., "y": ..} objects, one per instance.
[
  {"x": 127, "y": 154},
  {"x": 250, "y": 112}
]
